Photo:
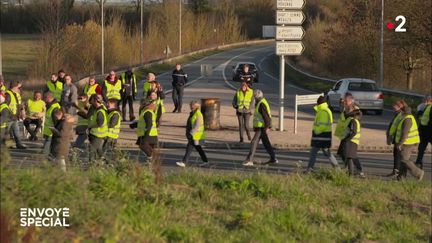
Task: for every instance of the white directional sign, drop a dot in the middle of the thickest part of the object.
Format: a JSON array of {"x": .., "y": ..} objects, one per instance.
[
  {"x": 289, "y": 48},
  {"x": 294, "y": 17},
  {"x": 289, "y": 33},
  {"x": 290, "y": 4}
]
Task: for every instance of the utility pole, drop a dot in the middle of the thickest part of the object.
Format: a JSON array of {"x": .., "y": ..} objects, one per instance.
[
  {"x": 281, "y": 92},
  {"x": 102, "y": 37},
  {"x": 381, "y": 67},
  {"x": 142, "y": 33},
  {"x": 180, "y": 27}
]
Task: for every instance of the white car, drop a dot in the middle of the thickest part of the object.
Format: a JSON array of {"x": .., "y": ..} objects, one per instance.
[{"x": 365, "y": 92}]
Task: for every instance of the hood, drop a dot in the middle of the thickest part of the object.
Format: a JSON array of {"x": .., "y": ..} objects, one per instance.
[{"x": 321, "y": 106}]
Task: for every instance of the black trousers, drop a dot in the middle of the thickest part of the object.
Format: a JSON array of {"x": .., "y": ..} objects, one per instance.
[
  {"x": 177, "y": 96},
  {"x": 128, "y": 99},
  {"x": 147, "y": 145},
  {"x": 396, "y": 159},
  {"x": 261, "y": 134},
  {"x": 243, "y": 120},
  {"x": 425, "y": 139},
  {"x": 190, "y": 146},
  {"x": 33, "y": 132}
]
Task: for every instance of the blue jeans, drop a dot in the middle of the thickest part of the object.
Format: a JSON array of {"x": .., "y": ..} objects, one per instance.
[
  {"x": 15, "y": 131},
  {"x": 326, "y": 152},
  {"x": 47, "y": 145}
]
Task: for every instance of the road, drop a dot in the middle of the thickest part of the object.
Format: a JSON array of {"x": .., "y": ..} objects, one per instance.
[{"x": 374, "y": 164}]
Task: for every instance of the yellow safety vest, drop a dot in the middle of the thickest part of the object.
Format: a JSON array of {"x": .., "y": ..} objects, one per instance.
[
  {"x": 56, "y": 89},
  {"x": 114, "y": 132},
  {"x": 123, "y": 79},
  {"x": 323, "y": 119},
  {"x": 356, "y": 138},
  {"x": 159, "y": 105},
  {"x": 82, "y": 121},
  {"x": 113, "y": 91},
  {"x": 4, "y": 122},
  {"x": 3, "y": 88},
  {"x": 424, "y": 119},
  {"x": 413, "y": 135},
  {"x": 100, "y": 132},
  {"x": 244, "y": 100},
  {"x": 199, "y": 134},
  {"x": 258, "y": 120},
  {"x": 35, "y": 106},
  {"x": 15, "y": 101},
  {"x": 89, "y": 90},
  {"x": 146, "y": 88},
  {"x": 141, "y": 129},
  {"x": 394, "y": 125},
  {"x": 48, "y": 119}
]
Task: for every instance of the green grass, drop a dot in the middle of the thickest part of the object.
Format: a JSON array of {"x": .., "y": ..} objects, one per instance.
[
  {"x": 125, "y": 204},
  {"x": 18, "y": 52}
]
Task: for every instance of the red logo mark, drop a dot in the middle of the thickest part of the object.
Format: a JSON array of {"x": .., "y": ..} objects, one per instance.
[{"x": 390, "y": 26}]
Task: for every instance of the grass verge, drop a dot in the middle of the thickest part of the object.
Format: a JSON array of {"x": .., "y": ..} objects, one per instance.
[{"x": 126, "y": 203}]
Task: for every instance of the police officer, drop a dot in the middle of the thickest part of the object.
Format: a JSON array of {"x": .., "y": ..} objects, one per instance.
[
  {"x": 129, "y": 92},
  {"x": 391, "y": 135},
  {"x": 55, "y": 87},
  {"x": 407, "y": 139},
  {"x": 242, "y": 103},
  {"x": 35, "y": 111},
  {"x": 195, "y": 134},
  {"x": 262, "y": 124},
  {"x": 322, "y": 134},
  {"x": 4, "y": 118},
  {"x": 98, "y": 125},
  {"x": 112, "y": 88},
  {"x": 114, "y": 122},
  {"x": 425, "y": 130},
  {"x": 13, "y": 99},
  {"x": 179, "y": 80},
  {"x": 147, "y": 133},
  {"x": 92, "y": 87},
  {"x": 50, "y": 119},
  {"x": 352, "y": 141}
]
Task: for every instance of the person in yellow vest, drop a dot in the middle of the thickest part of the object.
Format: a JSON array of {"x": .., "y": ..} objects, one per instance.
[
  {"x": 83, "y": 107},
  {"x": 407, "y": 140},
  {"x": 55, "y": 87},
  {"x": 262, "y": 125},
  {"x": 425, "y": 130},
  {"x": 242, "y": 102},
  {"x": 342, "y": 123},
  {"x": 91, "y": 87},
  {"x": 51, "y": 105},
  {"x": 147, "y": 133},
  {"x": 352, "y": 141},
  {"x": 114, "y": 122},
  {"x": 36, "y": 112},
  {"x": 160, "y": 109},
  {"x": 195, "y": 134},
  {"x": 2, "y": 85},
  {"x": 13, "y": 99},
  {"x": 391, "y": 135},
  {"x": 5, "y": 114},
  {"x": 129, "y": 92},
  {"x": 322, "y": 134},
  {"x": 151, "y": 85},
  {"x": 98, "y": 125},
  {"x": 112, "y": 88}
]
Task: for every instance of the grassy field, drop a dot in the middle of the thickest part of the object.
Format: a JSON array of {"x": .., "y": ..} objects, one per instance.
[
  {"x": 18, "y": 53},
  {"x": 128, "y": 203}
]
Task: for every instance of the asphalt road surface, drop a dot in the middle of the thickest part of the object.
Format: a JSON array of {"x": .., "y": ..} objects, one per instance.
[{"x": 374, "y": 164}]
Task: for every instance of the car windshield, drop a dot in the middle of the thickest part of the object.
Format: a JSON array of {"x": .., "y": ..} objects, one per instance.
[
  {"x": 251, "y": 66},
  {"x": 363, "y": 86}
]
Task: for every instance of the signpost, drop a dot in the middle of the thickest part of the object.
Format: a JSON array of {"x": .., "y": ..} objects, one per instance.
[
  {"x": 288, "y": 42},
  {"x": 303, "y": 100}
]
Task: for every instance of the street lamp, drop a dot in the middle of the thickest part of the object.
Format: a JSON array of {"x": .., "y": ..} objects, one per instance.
[
  {"x": 102, "y": 37},
  {"x": 142, "y": 34},
  {"x": 180, "y": 26}
]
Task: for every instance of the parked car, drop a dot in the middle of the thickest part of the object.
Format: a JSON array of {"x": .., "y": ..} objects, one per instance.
[
  {"x": 237, "y": 70},
  {"x": 365, "y": 92}
]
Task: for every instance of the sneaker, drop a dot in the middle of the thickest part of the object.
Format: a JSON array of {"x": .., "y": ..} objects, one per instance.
[
  {"x": 241, "y": 140},
  {"x": 248, "y": 163},
  {"x": 394, "y": 173},
  {"x": 175, "y": 110},
  {"x": 181, "y": 164},
  {"x": 362, "y": 175},
  {"x": 272, "y": 161},
  {"x": 204, "y": 164},
  {"x": 421, "y": 175}
]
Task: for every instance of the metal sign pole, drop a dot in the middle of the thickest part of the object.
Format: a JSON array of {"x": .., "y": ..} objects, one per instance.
[
  {"x": 281, "y": 92},
  {"x": 295, "y": 115}
]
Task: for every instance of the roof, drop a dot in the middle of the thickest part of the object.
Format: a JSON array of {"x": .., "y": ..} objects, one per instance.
[{"x": 359, "y": 80}]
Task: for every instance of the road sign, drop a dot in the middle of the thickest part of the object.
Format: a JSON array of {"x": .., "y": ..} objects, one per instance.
[
  {"x": 290, "y": 4},
  {"x": 289, "y": 48},
  {"x": 289, "y": 33},
  {"x": 294, "y": 17}
]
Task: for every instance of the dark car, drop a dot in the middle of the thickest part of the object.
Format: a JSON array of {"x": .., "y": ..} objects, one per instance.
[{"x": 238, "y": 70}]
